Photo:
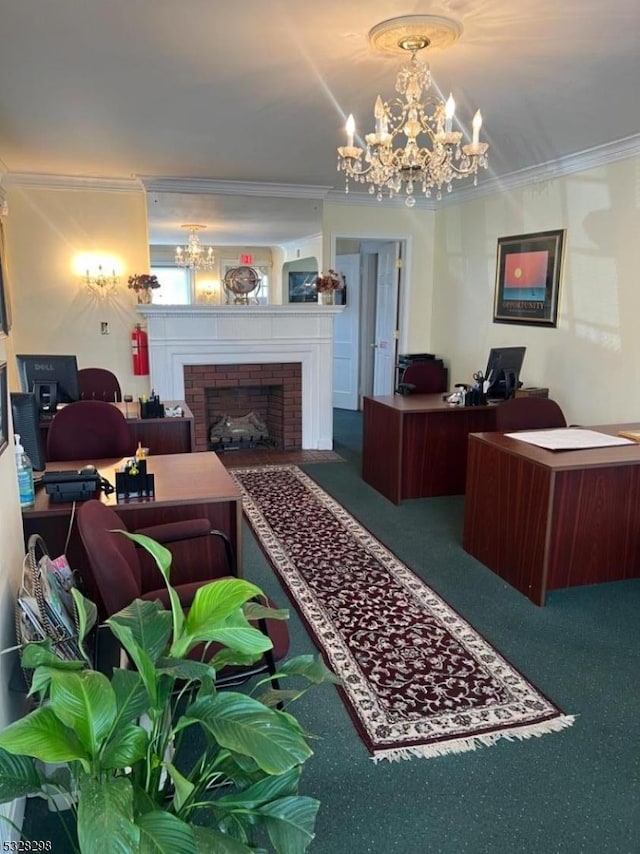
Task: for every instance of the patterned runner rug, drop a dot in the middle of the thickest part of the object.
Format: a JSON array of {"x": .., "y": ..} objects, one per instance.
[{"x": 418, "y": 680}]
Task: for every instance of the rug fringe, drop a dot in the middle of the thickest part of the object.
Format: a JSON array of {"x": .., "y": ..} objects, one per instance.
[{"x": 463, "y": 745}]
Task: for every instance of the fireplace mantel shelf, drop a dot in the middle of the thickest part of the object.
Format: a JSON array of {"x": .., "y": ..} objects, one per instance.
[{"x": 302, "y": 333}]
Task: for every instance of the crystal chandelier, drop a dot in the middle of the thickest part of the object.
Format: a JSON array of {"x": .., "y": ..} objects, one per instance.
[
  {"x": 194, "y": 255},
  {"x": 413, "y": 147}
]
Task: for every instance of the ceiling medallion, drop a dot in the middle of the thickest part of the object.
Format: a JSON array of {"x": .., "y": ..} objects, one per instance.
[{"x": 428, "y": 152}]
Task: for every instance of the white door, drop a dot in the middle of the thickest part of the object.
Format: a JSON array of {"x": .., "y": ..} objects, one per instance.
[
  {"x": 384, "y": 366},
  {"x": 346, "y": 336}
]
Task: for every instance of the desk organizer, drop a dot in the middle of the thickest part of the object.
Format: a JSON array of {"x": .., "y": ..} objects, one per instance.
[
  {"x": 135, "y": 482},
  {"x": 151, "y": 408}
]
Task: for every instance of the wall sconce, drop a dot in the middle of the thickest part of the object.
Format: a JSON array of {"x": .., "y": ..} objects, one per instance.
[
  {"x": 209, "y": 291},
  {"x": 100, "y": 274}
]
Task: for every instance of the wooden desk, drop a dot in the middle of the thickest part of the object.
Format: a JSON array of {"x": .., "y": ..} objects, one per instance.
[
  {"x": 160, "y": 435},
  {"x": 186, "y": 486},
  {"x": 544, "y": 520},
  {"x": 415, "y": 446}
]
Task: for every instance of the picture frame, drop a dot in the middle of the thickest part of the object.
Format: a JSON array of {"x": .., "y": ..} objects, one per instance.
[
  {"x": 528, "y": 273},
  {"x": 302, "y": 287},
  {"x": 4, "y": 408}
]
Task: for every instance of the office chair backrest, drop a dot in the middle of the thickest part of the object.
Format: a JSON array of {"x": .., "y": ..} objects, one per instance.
[
  {"x": 428, "y": 377},
  {"x": 99, "y": 384},
  {"x": 89, "y": 430},
  {"x": 528, "y": 413},
  {"x": 113, "y": 560}
]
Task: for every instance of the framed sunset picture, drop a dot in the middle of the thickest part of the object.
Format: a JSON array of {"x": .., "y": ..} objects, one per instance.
[{"x": 528, "y": 272}]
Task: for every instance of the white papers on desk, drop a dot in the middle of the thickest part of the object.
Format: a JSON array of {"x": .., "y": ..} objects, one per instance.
[{"x": 569, "y": 439}]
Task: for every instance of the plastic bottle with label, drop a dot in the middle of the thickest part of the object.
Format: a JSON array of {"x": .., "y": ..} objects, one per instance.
[{"x": 25, "y": 476}]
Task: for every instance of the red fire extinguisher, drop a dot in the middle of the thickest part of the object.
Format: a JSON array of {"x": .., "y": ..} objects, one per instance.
[{"x": 140, "y": 352}]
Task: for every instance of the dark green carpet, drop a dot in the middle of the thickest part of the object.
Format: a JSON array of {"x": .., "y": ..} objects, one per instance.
[{"x": 574, "y": 792}]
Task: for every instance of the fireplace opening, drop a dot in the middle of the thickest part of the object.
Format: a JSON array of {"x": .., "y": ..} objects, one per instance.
[{"x": 272, "y": 392}]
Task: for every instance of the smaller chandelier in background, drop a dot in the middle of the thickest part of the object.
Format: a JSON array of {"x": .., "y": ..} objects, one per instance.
[
  {"x": 194, "y": 255},
  {"x": 431, "y": 155}
]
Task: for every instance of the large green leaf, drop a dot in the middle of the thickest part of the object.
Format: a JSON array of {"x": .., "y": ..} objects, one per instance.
[
  {"x": 105, "y": 817},
  {"x": 42, "y": 655},
  {"x": 127, "y": 745},
  {"x": 290, "y": 823},
  {"x": 164, "y": 833},
  {"x": 311, "y": 667},
  {"x": 149, "y": 623},
  {"x": 132, "y": 699},
  {"x": 43, "y": 735},
  {"x": 18, "y": 777},
  {"x": 263, "y": 792},
  {"x": 235, "y": 633},
  {"x": 215, "y": 601},
  {"x": 256, "y": 610},
  {"x": 86, "y": 614},
  {"x": 209, "y": 841},
  {"x": 244, "y": 725},
  {"x": 187, "y": 670},
  {"x": 139, "y": 657},
  {"x": 86, "y": 703},
  {"x": 183, "y": 788}
]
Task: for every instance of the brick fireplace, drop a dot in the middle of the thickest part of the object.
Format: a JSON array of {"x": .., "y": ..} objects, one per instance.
[{"x": 272, "y": 390}]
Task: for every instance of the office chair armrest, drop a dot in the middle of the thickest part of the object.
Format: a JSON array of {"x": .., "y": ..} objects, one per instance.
[
  {"x": 406, "y": 388},
  {"x": 189, "y": 529},
  {"x": 170, "y": 532}
]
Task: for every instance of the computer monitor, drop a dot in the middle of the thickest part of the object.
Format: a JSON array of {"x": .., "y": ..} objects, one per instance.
[
  {"x": 53, "y": 379},
  {"x": 503, "y": 371},
  {"x": 26, "y": 423}
]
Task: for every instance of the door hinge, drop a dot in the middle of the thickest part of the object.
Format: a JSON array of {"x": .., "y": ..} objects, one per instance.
[
  {"x": 399, "y": 264},
  {"x": 396, "y": 334}
]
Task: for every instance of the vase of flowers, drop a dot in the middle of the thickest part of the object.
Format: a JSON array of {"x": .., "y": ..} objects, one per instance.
[
  {"x": 143, "y": 284},
  {"x": 326, "y": 285}
]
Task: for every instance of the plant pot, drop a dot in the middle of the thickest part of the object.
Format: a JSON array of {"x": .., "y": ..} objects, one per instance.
[{"x": 325, "y": 298}]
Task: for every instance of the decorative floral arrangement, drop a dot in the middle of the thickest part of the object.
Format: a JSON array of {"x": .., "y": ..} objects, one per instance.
[
  {"x": 330, "y": 281},
  {"x": 143, "y": 282}
]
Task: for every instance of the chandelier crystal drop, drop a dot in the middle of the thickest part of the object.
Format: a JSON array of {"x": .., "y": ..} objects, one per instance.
[
  {"x": 194, "y": 255},
  {"x": 413, "y": 147}
]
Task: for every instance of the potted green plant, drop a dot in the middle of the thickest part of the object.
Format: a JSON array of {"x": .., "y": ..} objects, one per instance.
[{"x": 119, "y": 739}]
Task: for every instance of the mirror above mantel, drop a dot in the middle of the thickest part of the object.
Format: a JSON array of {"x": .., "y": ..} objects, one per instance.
[{"x": 270, "y": 229}]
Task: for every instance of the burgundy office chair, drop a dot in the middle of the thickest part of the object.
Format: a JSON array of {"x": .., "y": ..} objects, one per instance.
[
  {"x": 89, "y": 430},
  {"x": 119, "y": 575},
  {"x": 425, "y": 377},
  {"x": 528, "y": 413},
  {"x": 99, "y": 384}
]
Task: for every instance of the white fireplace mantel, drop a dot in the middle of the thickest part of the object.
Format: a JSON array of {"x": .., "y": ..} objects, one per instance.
[{"x": 245, "y": 334}]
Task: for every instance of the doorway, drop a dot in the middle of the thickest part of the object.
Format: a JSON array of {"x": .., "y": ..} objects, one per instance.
[{"x": 366, "y": 333}]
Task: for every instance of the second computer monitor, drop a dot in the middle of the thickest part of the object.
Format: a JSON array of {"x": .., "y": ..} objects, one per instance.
[
  {"x": 503, "y": 370},
  {"x": 53, "y": 379}
]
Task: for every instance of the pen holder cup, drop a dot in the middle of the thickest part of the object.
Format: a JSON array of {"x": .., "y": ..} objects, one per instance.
[
  {"x": 475, "y": 397},
  {"x": 135, "y": 482}
]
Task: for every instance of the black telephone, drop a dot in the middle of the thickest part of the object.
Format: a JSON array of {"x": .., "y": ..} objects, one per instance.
[{"x": 80, "y": 485}]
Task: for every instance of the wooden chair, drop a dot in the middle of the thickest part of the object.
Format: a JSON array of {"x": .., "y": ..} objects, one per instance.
[{"x": 528, "y": 413}]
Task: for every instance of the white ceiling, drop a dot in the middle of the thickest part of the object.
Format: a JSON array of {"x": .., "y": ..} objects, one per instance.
[{"x": 258, "y": 91}]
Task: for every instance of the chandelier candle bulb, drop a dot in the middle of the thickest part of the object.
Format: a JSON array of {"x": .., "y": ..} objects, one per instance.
[
  {"x": 351, "y": 129},
  {"x": 449, "y": 112},
  {"x": 477, "y": 124}
]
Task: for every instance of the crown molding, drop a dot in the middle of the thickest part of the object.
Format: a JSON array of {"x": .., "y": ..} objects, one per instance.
[
  {"x": 71, "y": 182},
  {"x": 233, "y": 188}
]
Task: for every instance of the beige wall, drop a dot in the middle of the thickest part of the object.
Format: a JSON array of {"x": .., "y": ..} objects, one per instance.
[
  {"x": 591, "y": 361},
  {"x": 53, "y": 311},
  {"x": 380, "y": 222}
]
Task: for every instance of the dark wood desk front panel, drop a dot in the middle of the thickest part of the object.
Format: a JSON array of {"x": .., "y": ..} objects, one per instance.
[
  {"x": 187, "y": 486},
  {"x": 544, "y": 520},
  {"x": 416, "y": 446},
  {"x": 160, "y": 435}
]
